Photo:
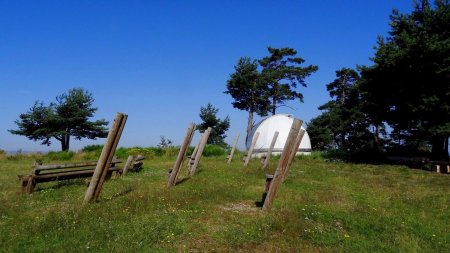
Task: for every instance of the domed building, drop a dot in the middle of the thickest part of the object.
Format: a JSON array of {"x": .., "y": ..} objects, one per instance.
[{"x": 267, "y": 128}]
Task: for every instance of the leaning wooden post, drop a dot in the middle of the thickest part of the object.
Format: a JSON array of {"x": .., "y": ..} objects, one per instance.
[
  {"x": 192, "y": 156},
  {"x": 105, "y": 157},
  {"x": 294, "y": 151},
  {"x": 230, "y": 157},
  {"x": 282, "y": 164},
  {"x": 250, "y": 150},
  {"x": 269, "y": 152},
  {"x": 181, "y": 155},
  {"x": 127, "y": 164},
  {"x": 201, "y": 147}
]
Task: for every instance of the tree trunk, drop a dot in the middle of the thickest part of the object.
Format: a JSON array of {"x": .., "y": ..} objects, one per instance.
[
  {"x": 65, "y": 139},
  {"x": 274, "y": 105},
  {"x": 249, "y": 123},
  {"x": 438, "y": 149}
]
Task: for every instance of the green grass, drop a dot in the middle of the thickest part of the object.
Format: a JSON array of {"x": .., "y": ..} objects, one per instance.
[{"x": 321, "y": 207}]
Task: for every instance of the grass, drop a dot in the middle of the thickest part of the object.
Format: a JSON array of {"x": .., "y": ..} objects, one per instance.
[{"x": 321, "y": 207}]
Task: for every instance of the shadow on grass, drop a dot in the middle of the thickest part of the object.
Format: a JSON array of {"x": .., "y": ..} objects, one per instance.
[
  {"x": 183, "y": 180},
  {"x": 59, "y": 184},
  {"x": 120, "y": 194},
  {"x": 261, "y": 203}
]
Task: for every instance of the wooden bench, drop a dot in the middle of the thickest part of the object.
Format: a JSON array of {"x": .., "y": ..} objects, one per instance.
[{"x": 55, "y": 172}]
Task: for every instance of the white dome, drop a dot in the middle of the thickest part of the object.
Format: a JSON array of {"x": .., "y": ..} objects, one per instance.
[{"x": 267, "y": 128}]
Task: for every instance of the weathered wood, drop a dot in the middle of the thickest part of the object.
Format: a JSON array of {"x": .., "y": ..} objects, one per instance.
[
  {"x": 181, "y": 155},
  {"x": 230, "y": 156},
  {"x": 250, "y": 150},
  {"x": 199, "y": 153},
  {"x": 194, "y": 152},
  {"x": 63, "y": 175},
  {"x": 49, "y": 167},
  {"x": 127, "y": 164},
  {"x": 294, "y": 150},
  {"x": 282, "y": 164},
  {"x": 111, "y": 157},
  {"x": 437, "y": 168},
  {"x": 105, "y": 157},
  {"x": 269, "y": 152}
]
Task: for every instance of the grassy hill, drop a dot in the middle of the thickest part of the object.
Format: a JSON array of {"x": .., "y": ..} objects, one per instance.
[{"x": 322, "y": 206}]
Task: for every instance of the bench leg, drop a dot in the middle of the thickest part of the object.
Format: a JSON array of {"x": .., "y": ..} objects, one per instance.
[{"x": 30, "y": 185}]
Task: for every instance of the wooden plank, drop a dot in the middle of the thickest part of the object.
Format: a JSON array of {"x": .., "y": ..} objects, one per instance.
[
  {"x": 250, "y": 150},
  {"x": 194, "y": 153},
  {"x": 294, "y": 151},
  {"x": 269, "y": 152},
  {"x": 181, "y": 155},
  {"x": 39, "y": 168},
  {"x": 105, "y": 158},
  {"x": 127, "y": 164},
  {"x": 282, "y": 164},
  {"x": 111, "y": 156},
  {"x": 230, "y": 157},
  {"x": 199, "y": 153}
]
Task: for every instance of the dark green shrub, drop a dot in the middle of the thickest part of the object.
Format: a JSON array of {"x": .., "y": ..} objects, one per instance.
[
  {"x": 61, "y": 155},
  {"x": 214, "y": 150},
  {"x": 90, "y": 148}
]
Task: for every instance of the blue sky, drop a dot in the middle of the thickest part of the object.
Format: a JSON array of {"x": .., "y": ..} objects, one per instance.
[{"x": 160, "y": 61}]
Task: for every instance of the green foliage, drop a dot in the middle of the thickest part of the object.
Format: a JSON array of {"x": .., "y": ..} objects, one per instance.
[
  {"x": 408, "y": 85},
  {"x": 90, "y": 148},
  {"x": 69, "y": 116},
  {"x": 208, "y": 115},
  {"x": 59, "y": 156},
  {"x": 214, "y": 150},
  {"x": 343, "y": 125},
  {"x": 281, "y": 74},
  {"x": 247, "y": 90}
]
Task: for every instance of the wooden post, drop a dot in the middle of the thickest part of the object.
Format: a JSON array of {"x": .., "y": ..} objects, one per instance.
[
  {"x": 181, "y": 155},
  {"x": 192, "y": 156},
  {"x": 230, "y": 157},
  {"x": 127, "y": 164},
  {"x": 269, "y": 152},
  {"x": 297, "y": 142},
  {"x": 201, "y": 147},
  {"x": 437, "y": 168},
  {"x": 282, "y": 164},
  {"x": 105, "y": 158},
  {"x": 250, "y": 150}
]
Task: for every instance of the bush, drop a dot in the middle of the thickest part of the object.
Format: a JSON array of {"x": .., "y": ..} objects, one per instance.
[
  {"x": 90, "y": 148},
  {"x": 61, "y": 155},
  {"x": 214, "y": 150}
]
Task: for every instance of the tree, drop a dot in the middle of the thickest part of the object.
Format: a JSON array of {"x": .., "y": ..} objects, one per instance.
[
  {"x": 247, "y": 90},
  {"x": 342, "y": 124},
  {"x": 281, "y": 73},
  {"x": 409, "y": 81},
  {"x": 208, "y": 115},
  {"x": 69, "y": 116}
]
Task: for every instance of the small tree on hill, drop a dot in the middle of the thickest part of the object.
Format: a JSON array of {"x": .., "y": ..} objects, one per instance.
[
  {"x": 247, "y": 90},
  {"x": 69, "y": 116},
  {"x": 282, "y": 73},
  {"x": 208, "y": 115}
]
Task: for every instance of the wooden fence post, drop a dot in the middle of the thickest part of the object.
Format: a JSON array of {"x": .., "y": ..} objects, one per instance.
[
  {"x": 230, "y": 157},
  {"x": 250, "y": 150},
  {"x": 201, "y": 147},
  {"x": 282, "y": 164},
  {"x": 294, "y": 151},
  {"x": 269, "y": 152},
  {"x": 192, "y": 156},
  {"x": 127, "y": 164},
  {"x": 105, "y": 158},
  {"x": 181, "y": 155}
]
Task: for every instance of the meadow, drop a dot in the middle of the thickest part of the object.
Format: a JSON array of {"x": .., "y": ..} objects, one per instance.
[{"x": 321, "y": 207}]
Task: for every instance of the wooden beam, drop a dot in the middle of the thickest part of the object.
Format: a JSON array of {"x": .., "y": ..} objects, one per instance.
[
  {"x": 282, "y": 164},
  {"x": 250, "y": 150},
  {"x": 294, "y": 151},
  {"x": 230, "y": 157},
  {"x": 105, "y": 157},
  {"x": 269, "y": 152},
  {"x": 181, "y": 155},
  {"x": 199, "y": 153},
  {"x": 127, "y": 164}
]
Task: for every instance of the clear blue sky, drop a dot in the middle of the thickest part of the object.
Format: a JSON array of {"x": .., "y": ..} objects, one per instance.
[{"x": 159, "y": 61}]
